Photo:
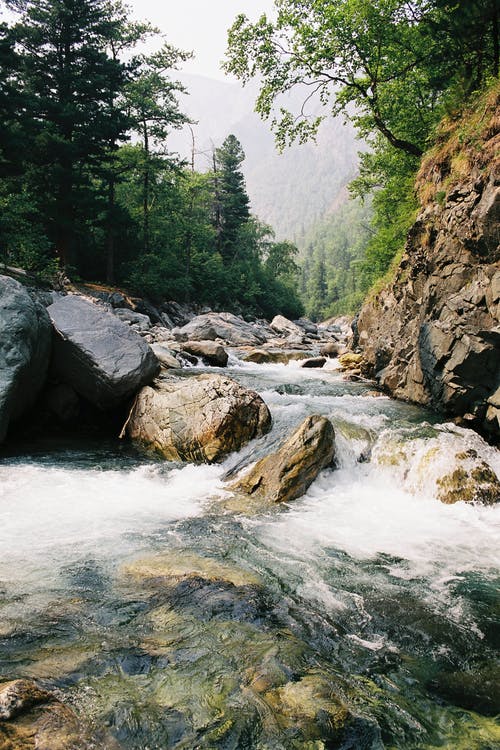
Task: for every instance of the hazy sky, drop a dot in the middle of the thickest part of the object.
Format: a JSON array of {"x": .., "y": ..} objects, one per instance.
[{"x": 198, "y": 25}]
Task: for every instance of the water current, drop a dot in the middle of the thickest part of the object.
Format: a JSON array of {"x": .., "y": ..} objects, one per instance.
[{"x": 367, "y": 596}]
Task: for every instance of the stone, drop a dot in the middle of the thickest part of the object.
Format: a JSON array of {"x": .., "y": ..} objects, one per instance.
[
  {"x": 287, "y": 474},
  {"x": 165, "y": 356},
  {"x": 350, "y": 361},
  {"x": 307, "y": 325},
  {"x": 179, "y": 565},
  {"x": 311, "y": 706},
  {"x": 313, "y": 362},
  {"x": 476, "y": 484},
  {"x": 273, "y": 356},
  {"x": 25, "y": 344},
  {"x": 285, "y": 327},
  {"x": 225, "y": 326},
  {"x": 199, "y": 419},
  {"x": 18, "y": 696},
  {"x": 211, "y": 353},
  {"x": 138, "y": 320},
  {"x": 435, "y": 325},
  {"x": 332, "y": 349},
  {"x": 97, "y": 354},
  {"x": 33, "y": 719}
]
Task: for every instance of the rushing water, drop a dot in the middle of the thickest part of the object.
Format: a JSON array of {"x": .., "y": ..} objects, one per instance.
[{"x": 366, "y": 593}]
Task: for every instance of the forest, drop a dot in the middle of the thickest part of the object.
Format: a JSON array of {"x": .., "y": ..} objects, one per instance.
[
  {"x": 396, "y": 70},
  {"x": 88, "y": 184}
]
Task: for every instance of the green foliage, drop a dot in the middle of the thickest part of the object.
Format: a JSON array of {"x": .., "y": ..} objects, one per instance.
[
  {"x": 392, "y": 67},
  {"x": 73, "y": 92}
]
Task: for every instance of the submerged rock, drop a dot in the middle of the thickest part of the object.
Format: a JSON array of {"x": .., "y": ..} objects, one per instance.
[
  {"x": 25, "y": 342},
  {"x": 210, "y": 352},
  {"x": 179, "y": 565},
  {"x": 100, "y": 356},
  {"x": 199, "y": 419},
  {"x": 288, "y": 473},
  {"x": 33, "y": 719},
  {"x": 18, "y": 696},
  {"x": 311, "y": 706}
]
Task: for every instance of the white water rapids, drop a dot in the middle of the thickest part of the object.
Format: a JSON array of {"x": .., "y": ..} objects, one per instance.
[{"x": 361, "y": 530}]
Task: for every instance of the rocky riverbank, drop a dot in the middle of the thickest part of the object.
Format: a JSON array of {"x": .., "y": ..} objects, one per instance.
[{"x": 432, "y": 336}]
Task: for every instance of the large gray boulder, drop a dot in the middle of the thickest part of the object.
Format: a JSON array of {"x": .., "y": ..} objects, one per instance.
[
  {"x": 100, "y": 356},
  {"x": 226, "y": 326},
  {"x": 25, "y": 341},
  {"x": 199, "y": 419},
  {"x": 288, "y": 473}
]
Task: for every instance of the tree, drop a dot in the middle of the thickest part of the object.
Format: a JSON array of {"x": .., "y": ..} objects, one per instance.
[
  {"x": 68, "y": 80},
  {"x": 384, "y": 64},
  {"x": 231, "y": 209},
  {"x": 151, "y": 98}
]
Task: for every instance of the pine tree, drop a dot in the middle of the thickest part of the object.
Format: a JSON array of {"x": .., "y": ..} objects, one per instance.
[
  {"x": 69, "y": 81},
  {"x": 232, "y": 205}
]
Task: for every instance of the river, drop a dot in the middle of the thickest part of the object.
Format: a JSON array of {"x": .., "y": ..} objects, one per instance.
[{"x": 368, "y": 593}]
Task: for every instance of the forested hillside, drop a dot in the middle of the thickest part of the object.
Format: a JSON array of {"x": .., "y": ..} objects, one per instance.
[
  {"x": 89, "y": 183},
  {"x": 394, "y": 69},
  {"x": 293, "y": 191}
]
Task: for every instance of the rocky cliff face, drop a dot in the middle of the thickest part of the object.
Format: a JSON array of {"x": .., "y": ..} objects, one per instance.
[{"x": 432, "y": 336}]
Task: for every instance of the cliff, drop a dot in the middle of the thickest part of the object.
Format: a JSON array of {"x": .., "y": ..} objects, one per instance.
[{"x": 432, "y": 336}]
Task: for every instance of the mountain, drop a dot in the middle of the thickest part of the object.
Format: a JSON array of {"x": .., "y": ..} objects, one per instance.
[{"x": 292, "y": 191}]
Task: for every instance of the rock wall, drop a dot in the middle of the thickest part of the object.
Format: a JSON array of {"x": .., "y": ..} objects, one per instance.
[{"x": 432, "y": 336}]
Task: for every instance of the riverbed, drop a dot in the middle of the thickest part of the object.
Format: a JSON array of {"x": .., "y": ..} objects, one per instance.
[{"x": 366, "y": 594}]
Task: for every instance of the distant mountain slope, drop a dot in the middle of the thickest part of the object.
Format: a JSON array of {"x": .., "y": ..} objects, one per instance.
[{"x": 291, "y": 191}]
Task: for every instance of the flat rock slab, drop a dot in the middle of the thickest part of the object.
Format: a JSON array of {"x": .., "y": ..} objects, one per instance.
[
  {"x": 99, "y": 355},
  {"x": 25, "y": 343},
  {"x": 288, "y": 473},
  {"x": 199, "y": 419}
]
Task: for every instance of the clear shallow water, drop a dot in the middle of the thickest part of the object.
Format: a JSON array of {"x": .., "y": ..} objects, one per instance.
[{"x": 368, "y": 589}]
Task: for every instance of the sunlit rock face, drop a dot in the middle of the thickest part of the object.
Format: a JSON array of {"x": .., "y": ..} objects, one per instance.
[
  {"x": 199, "y": 419},
  {"x": 25, "y": 342},
  {"x": 433, "y": 335},
  {"x": 445, "y": 461},
  {"x": 288, "y": 473}
]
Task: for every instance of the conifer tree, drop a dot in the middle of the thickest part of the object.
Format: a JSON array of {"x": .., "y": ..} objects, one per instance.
[{"x": 232, "y": 205}]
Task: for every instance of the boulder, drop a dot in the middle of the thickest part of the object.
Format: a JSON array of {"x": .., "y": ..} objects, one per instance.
[
  {"x": 288, "y": 473},
  {"x": 165, "y": 356},
  {"x": 25, "y": 343},
  {"x": 98, "y": 355},
  {"x": 313, "y": 362},
  {"x": 226, "y": 326},
  {"x": 307, "y": 325},
  {"x": 199, "y": 419},
  {"x": 138, "y": 320},
  {"x": 332, "y": 349},
  {"x": 211, "y": 353},
  {"x": 285, "y": 327}
]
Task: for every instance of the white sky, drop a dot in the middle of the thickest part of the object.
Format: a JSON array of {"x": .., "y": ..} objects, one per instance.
[{"x": 199, "y": 26}]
